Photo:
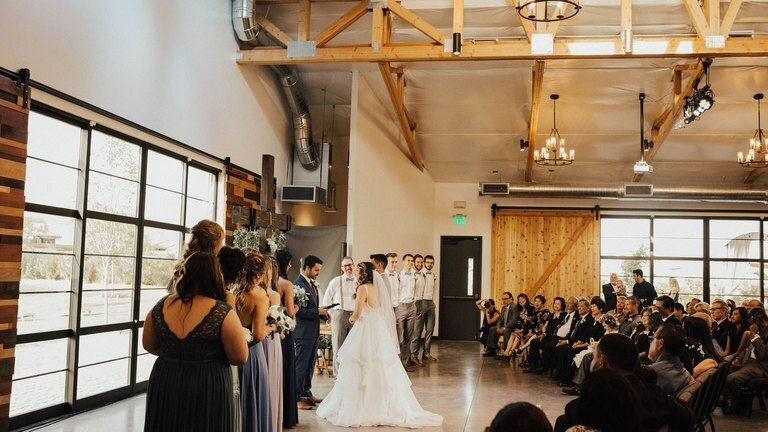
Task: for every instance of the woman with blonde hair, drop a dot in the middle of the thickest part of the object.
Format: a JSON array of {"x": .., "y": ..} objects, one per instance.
[
  {"x": 674, "y": 289},
  {"x": 207, "y": 236}
]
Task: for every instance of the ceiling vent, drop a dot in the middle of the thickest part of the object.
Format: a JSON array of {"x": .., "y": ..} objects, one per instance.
[
  {"x": 494, "y": 188},
  {"x": 638, "y": 190}
]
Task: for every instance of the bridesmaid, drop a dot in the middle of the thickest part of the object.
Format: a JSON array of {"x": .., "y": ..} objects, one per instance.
[
  {"x": 275, "y": 353},
  {"x": 252, "y": 307},
  {"x": 285, "y": 288},
  {"x": 232, "y": 261},
  {"x": 207, "y": 236}
]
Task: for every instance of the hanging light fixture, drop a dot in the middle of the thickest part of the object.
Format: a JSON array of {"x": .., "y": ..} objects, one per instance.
[
  {"x": 699, "y": 102},
  {"x": 554, "y": 153},
  {"x": 757, "y": 156},
  {"x": 547, "y": 10}
]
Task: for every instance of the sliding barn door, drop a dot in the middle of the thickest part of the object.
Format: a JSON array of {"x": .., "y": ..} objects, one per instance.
[{"x": 557, "y": 252}]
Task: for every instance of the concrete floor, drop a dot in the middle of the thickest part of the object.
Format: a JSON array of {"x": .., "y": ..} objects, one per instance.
[{"x": 466, "y": 389}]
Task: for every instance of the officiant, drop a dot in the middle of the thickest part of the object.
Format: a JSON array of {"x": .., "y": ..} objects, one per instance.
[{"x": 341, "y": 292}]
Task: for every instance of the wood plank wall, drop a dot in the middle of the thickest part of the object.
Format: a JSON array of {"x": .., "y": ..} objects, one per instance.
[
  {"x": 556, "y": 251},
  {"x": 243, "y": 189},
  {"x": 14, "y": 117}
]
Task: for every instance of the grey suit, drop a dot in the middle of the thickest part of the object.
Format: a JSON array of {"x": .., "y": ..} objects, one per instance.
[
  {"x": 507, "y": 321},
  {"x": 671, "y": 375}
]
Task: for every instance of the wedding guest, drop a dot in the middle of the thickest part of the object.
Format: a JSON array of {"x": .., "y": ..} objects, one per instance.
[
  {"x": 206, "y": 236},
  {"x": 232, "y": 261},
  {"x": 679, "y": 312},
  {"x": 393, "y": 279},
  {"x": 722, "y": 327},
  {"x": 307, "y": 332},
  {"x": 420, "y": 282},
  {"x": 754, "y": 303},
  {"x": 577, "y": 341},
  {"x": 428, "y": 306},
  {"x": 620, "y": 311},
  {"x": 490, "y": 317},
  {"x": 702, "y": 353},
  {"x": 632, "y": 306},
  {"x": 563, "y": 332},
  {"x": 583, "y": 360},
  {"x": 704, "y": 307},
  {"x": 406, "y": 314},
  {"x": 504, "y": 326},
  {"x": 196, "y": 336},
  {"x": 641, "y": 335},
  {"x": 666, "y": 306},
  {"x": 285, "y": 287},
  {"x": 547, "y": 334},
  {"x": 610, "y": 292},
  {"x": 731, "y": 304},
  {"x": 739, "y": 339},
  {"x": 341, "y": 292},
  {"x": 535, "y": 326},
  {"x": 274, "y": 350},
  {"x": 755, "y": 363},
  {"x": 666, "y": 347},
  {"x": 691, "y": 306},
  {"x": 520, "y": 417},
  {"x": 674, "y": 289},
  {"x": 518, "y": 336},
  {"x": 253, "y": 303},
  {"x": 643, "y": 289}
]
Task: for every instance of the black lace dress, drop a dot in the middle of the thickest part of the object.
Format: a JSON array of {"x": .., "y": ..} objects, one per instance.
[{"x": 190, "y": 388}]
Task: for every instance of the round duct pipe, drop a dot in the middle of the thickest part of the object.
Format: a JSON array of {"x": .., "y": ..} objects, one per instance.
[{"x": 655, "y": 193}]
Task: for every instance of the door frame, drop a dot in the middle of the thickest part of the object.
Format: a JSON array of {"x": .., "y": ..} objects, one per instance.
[{"x": 479, "y": 264}]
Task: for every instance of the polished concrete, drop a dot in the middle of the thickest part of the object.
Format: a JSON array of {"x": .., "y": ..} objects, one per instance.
[{"x": 466, "y": 389}]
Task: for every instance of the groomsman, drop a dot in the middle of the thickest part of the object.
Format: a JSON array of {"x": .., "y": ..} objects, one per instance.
[
  {"x": 307, "y": 332},
  {"x": 341, "y": 291},
  {"x": 393, "y": 279},
  {"x": 418, "y": 298},
  {"x": 428, "y": 307},
  {"x": 406, "y": 313}
]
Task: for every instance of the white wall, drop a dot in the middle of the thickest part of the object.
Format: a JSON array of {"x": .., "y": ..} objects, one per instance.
[
  {"x": 390, "y": 200},
  {"x": 166, "y": 65}
]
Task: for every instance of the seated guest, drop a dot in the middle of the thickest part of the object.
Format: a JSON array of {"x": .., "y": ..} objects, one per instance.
[
  {"x": 504, "y": 326},
  {"x": 620, "y": 311},
  {"x": 534, "y": 326},
  {"x": 754, "y": 364},
  {"x": 722, "y": 327},
  {"x": 680, "y": 312},
  {"x": 578, "y": 340},
  {"x": 583, "y": 360},
  {"x": 521, "y": 417},
  {"x": 752, "y": 304},
  {"x": 704, "y": 307},
  {"x": 666, "y": 308},
  {"x": 702, "y": 353},
  {"x": 561, "y": 335},
  {"x": 691, "y": 306},
  {"x": 632, "y": 306},
  {"x": 641, "y": 336},
  {"x": 607, "y": 403},
  {"x": 547, "y": 333},
  {"x": 667, "y": 345},
  {"x": 739, "y": 339},
  {"x": 521, "y": 327},
  {"x": 490, "y": 317},
  {"x": 731, "y": 304},
  {"x": 656, "y": 409}
]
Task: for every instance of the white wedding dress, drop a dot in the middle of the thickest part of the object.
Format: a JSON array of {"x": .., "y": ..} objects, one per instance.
[{"x": 372, "y": 387}]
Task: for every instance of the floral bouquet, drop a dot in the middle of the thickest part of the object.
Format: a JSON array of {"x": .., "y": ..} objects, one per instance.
[
  {"x": 283, "y": 323},
  {"x": 300, "y": 296}
]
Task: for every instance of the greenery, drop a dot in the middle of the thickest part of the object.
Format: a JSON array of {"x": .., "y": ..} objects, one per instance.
[{"x": 245, "y": 238}]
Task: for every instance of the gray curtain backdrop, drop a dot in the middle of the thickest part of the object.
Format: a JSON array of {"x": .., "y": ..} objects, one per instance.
[{"x": 324, "y": 242}]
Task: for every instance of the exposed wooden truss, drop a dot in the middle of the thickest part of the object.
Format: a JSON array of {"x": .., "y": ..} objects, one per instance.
[
  {"x": 533, "y": 123},
  {"x": 341, "y": 24},
  {"x": 397, "y": 96},
  {"x": 755, "y": 174}
]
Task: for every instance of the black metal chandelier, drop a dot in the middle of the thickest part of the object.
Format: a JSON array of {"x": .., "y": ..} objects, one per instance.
[
  {"x": 757, "y": 156},
  {"x": 547, "y": 10},
  {"x": 554, "y": 153}
]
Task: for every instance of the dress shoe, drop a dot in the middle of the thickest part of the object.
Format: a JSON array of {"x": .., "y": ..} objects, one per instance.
[
  {"x": 501, "y": 357},
  {"x": 303, "y": 405},
  {"x": 428, "y": 357},
  {"x": 523, "y": 364},
  {"x": 572, "y": 391},
  {"x": 415, "y": 362},
  {"x": 489, "y": 354},
  {"x": 315, "y": 399},
  {"x": 565, "y": 384},
  {"x": 308, "y": 401},
  {"x": 409, "y": 368}
]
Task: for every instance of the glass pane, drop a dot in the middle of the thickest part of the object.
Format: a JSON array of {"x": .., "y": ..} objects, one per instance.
[
  {"x": 623, "y": 269},
  {"x": 43, "y": 312},
  {"x": 735, "y": 280},
  {"x": 101, "y": 378},
  {"x": 51, "y": 184},
  {"x": 45, "y": 272},
  {"x": 40, "y": 357},
  {"x": 685, "y": 277},
  {"x": 625, "y": 237},
  {"x": 198, "y": 210},
  {"x": 48, "y": 233},
  {"x": 163, "y": 206},
  {"x": 108, "y": 273},
  {"x": 470, "y": 276},
  {"x": 160, "y": 243},
  {"x": 149, "y": 299},
  {"x": 40, "y": 392},
  {"x": 678, "y": 237},
  {"x": 106, "y": 307},
  {"x": 110, "y": 238},
  {"x": 100, "y": 347},
  {"x": 201, "y": 184},
  {"x": 165, "y": 172},
  {"x": 114, "y": 156},
  {"x": 734, "y": 239},
  {"x": 54, "y": 140},
  {"x": 114, "y": 195},
  {"x": 156, "y": 273},
  {"x": 141, "y": 347},
  {"x": 144, "y": 364}
]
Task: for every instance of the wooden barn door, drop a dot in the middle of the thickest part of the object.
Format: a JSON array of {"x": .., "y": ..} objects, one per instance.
[{"x": 557, "y": 252}]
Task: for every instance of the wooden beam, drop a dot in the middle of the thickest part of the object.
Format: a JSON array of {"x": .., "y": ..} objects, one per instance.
[
  {"x": 601, "y": 48},
  {"x": 274, "y": 31},
  {"x": 755, "y": 174},
  {"x": 561, "y": 254},
  {"x": 402, "y": 118},
  {"x": 528, "y": 28},
  {"x": 305, "y": 13},
  {"x": 697, "y": 17},
  {"x": 663, "y": 125},
  {"x": 458, "y": 16},
  {"x": 533, "y": 121},
  {"x": 730, "y": 17},
  {"x": 712, "y": 7},
  {"x": 417, "y": 22},
  {"x": 377, "y": 28},
  {"x": 387, "y": 28},
  {"x": 626, "y": 18},
  {"x": 401, "y": 94},
  {"x": 341, "y": 24},
  {"x": 677, "y": 82}
]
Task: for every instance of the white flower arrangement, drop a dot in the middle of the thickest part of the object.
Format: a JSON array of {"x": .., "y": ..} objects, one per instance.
[
  {"x": 244, "y": 238},
  {"x": 283, "y": 323},
  {"x": 300, "y": 296}
]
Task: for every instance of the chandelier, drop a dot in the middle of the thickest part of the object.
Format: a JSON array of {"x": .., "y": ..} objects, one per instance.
[
  {"x": 553, "y": 153},
  {"x": 547, "y": 10},
  {"x": 757, "y": 156}
]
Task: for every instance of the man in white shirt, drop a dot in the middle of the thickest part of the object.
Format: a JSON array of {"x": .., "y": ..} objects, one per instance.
[
  {"x": 418, "y": 297},
  {"x": 341, "y": 291},
  {"x": 393, "y": 279},
  {"x": 426, "y": 321},
  {"x": 406, "y": 313}
]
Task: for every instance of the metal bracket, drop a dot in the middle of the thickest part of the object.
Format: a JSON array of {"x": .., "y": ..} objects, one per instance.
[
  {"x": 302, "y": 49},
  {"x": 376, "y": 4}
]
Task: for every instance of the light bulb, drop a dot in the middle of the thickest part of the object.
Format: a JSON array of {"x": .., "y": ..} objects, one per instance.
[
  {"x": 536, "y": 154},
  {"x": 740, "y": 156},
  {"x": 573, "y": 153}
]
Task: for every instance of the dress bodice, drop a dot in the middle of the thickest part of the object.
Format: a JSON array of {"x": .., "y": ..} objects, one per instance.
[{"x": 203, "y": 343}]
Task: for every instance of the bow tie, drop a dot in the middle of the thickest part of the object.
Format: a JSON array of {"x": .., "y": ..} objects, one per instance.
[
  {"x": 391, "y": 274},
  {"x": 348, "y": 279}
]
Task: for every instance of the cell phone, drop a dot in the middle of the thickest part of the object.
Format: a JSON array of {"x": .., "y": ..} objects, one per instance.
[{"x": 332, "y": 305}]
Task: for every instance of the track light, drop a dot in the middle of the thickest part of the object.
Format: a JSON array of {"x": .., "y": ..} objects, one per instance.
[
  {"x": 456, "y": 44},
  {"x": 699, "y": 102},
  {"x": 523, "y": 144}
]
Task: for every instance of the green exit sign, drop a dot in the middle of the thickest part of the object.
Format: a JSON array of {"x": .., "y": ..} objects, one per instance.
[{"x": 459, "y": 219}]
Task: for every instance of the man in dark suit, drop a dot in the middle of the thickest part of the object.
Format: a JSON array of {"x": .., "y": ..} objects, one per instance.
[
  {"x": 562, "y": 333},
  {"x": 722, "y": 327},
  {"x": 565, "y": 350},
  {"x": 643, "y": 289},
  {"x": 610, "y": 292},
  {"x": 307, "y": 332},
  {"x": 666, "y": 307},
  {"x": 504, "y": 326}
]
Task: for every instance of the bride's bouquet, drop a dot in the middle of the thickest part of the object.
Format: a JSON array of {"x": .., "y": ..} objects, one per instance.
[
  {"x": 283, "y": 323},
  {"x": 300, "y": 296}
]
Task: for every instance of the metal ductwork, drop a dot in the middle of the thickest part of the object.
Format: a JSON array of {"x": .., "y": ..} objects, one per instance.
[
  {"x": 672, "y": 193},
  {"x": 249, "y": 32}
]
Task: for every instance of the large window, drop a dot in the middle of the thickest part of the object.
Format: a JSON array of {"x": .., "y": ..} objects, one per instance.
[
  {"x": 707, "y": 258},
  {"x": 104, "y": 225}
]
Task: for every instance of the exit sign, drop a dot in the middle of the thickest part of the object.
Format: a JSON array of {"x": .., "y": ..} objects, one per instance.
[{"x": 459, "y": 219}]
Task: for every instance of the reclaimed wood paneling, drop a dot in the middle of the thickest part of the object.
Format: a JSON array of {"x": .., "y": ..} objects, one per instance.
[
  {"x": 557, "y": 252},
  {"x": 14, "y": 117},
  {"x": 244, "y": 190}
]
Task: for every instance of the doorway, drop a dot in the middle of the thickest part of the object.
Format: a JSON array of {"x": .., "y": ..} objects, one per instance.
[{"x": 460, "y": 279}]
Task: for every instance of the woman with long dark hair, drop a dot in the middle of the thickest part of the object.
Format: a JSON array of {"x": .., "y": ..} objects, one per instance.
[
  {"x": 521, "y": 326},
  {"x": 702, "y": 355},
  {"x": 196, "y": 336},
  {"x": 285, "y": 288},
  {"x": 738, "y": 340}
]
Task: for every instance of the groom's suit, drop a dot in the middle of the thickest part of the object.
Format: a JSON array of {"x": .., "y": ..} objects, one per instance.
[{"x": 306, "y": 337}]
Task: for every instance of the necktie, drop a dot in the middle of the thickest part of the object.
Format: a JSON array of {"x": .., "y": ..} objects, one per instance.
[
  {"x": 714, "y": 326},
  {"x": 566, "y": 321}
]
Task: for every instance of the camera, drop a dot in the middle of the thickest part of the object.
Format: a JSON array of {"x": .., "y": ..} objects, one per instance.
[{"x": 486, "y": 304}]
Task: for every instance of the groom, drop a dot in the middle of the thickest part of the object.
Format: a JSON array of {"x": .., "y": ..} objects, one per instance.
[{"x": 307, "y": 332}]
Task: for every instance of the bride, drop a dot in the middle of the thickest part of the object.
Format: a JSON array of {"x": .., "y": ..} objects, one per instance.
[{"x": 372, "y": 387}]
